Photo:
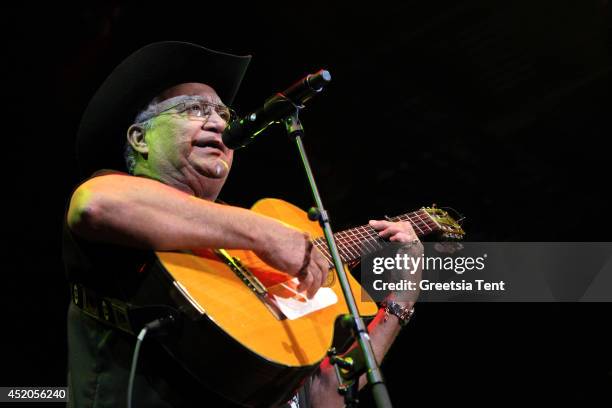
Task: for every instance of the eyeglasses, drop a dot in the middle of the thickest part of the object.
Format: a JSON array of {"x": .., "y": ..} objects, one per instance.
[{"x": 199, "y": 110}]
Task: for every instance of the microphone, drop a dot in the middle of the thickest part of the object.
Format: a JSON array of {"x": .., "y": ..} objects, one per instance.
[{"x": 242, "y": 131}]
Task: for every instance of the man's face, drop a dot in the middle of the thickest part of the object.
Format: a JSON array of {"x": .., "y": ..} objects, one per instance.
[{"x": 188, "y": 149}]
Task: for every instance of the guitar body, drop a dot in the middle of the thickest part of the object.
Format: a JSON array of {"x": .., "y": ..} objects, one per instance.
[{"x": 230, "y": 340}]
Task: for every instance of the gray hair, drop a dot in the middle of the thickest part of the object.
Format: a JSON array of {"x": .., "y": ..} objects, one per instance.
[{"x": 143, "y": 118}]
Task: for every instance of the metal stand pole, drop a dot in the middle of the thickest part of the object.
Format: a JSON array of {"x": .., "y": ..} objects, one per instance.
[{"x": 374, "y": 375}]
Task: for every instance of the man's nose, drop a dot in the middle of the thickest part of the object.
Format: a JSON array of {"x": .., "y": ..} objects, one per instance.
[{"x": 214, "y": 123}]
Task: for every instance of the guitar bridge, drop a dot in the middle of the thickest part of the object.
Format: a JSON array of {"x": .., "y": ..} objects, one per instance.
[
  {"x": 250, "y": 280},
  {"x": 242, "y": 272}
]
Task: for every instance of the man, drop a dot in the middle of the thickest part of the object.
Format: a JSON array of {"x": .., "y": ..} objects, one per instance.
[{"x": 171, "y": 99}]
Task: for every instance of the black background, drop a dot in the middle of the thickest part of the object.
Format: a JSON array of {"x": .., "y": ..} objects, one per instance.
[{"x": 498, "y": 109}]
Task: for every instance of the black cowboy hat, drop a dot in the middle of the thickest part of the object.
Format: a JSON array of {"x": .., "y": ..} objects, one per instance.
[{"x": 135, "y": 82}]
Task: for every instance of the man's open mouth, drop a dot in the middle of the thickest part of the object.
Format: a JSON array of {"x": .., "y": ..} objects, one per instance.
[{"x": 215, "y": 144}]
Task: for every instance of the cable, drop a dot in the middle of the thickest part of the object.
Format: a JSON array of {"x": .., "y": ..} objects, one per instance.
[
  {"x": 153, "y": 326},
  {"x": 139, "y": 340}
]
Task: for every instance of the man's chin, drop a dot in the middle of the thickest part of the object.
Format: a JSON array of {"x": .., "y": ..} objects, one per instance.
[{"x": 215, "y": 169}]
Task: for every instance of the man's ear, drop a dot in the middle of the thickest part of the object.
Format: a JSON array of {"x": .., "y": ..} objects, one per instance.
[{"x": 136, "y": 138}]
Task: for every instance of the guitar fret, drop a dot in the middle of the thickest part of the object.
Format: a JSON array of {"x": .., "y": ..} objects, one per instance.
[
  {"x": 372, "y": 236},
  {"x": 322, "y": 246},
  {"x": 355, "y": 252},
  {"x": 414, "y": 224},
  {"x": 341, "y": 248},
  {"x": 364, "y": 240},
  {"x": 372, "y": 233},
  {"x": 423, "y": 225},
  {"x": 357, "y": 240},
  {"x": 349, "y": 252},
  {"x": 354, "y": 242},
  {"x": 428, "y": 221}
]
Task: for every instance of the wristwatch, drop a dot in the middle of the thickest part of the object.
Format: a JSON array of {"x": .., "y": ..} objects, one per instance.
[{"x": 402, "y": 313}]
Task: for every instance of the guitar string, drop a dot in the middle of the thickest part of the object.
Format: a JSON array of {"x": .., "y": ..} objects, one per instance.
[
  {"x": 367, "y": 232},
  {"x": 364, "y": 235}
]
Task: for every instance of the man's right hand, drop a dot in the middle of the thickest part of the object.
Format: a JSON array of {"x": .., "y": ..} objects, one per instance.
[{"x": 290, "y": 251}]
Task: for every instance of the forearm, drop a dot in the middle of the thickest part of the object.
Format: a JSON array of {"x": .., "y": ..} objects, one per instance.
[
  {"x": 324, "y": 383},
  {"x": 139, "y": 212},
  {"x": 383, "y": 332}
]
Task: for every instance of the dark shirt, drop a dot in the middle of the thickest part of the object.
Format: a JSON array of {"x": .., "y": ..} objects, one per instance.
[{"x": 99, "y": 356}]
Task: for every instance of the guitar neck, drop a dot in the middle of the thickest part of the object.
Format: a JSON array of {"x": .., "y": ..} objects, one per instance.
[{"x": 355, "y": 242}]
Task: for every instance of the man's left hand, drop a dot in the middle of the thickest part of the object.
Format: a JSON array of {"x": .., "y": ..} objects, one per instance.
[{"x": 401, "y": 231}]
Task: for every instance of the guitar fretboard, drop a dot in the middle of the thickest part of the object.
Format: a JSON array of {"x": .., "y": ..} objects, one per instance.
[{"x": 355, "y": 242}]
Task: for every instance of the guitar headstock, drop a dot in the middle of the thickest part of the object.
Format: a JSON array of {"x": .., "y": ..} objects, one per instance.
[{"x": 450, "y": 229}]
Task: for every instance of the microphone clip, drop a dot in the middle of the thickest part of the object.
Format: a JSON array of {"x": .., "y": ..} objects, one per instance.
[
  {"x": 348, "y": 381},
  {"x": 293, "y": 125}
]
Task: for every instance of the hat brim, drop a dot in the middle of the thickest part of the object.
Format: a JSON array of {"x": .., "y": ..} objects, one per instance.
[{"x": 135, "y": 82}]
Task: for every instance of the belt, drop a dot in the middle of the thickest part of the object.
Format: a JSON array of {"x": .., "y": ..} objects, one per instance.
[
  {"x": 110, "y": 311},
  {"x": 117, "y": 313}
]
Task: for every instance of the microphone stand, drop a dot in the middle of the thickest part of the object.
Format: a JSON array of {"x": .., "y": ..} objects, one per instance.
[{"x": 374, "y": 375}]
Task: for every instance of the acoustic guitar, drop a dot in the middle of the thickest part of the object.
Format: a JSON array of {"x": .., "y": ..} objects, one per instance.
[{"x": 245, "y": 332}]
